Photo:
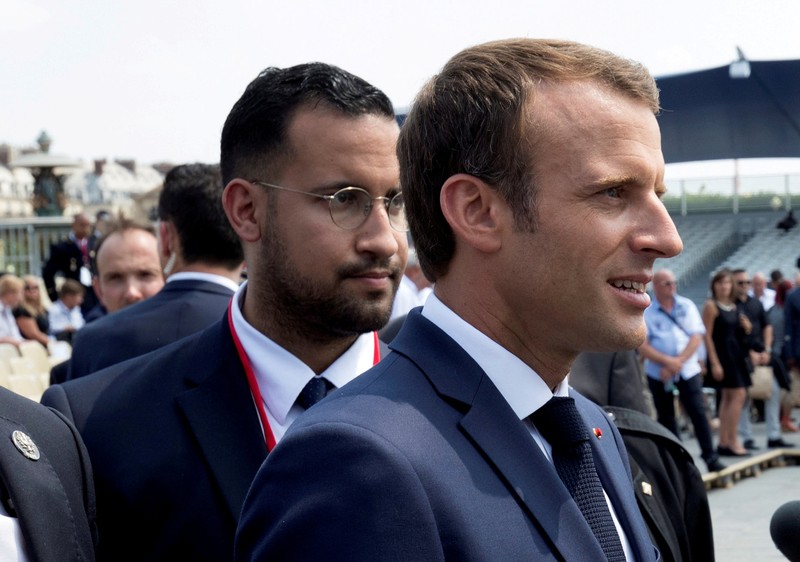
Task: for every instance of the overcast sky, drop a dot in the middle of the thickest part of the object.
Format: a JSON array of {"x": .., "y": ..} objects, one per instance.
[{"x": 154, "y": 80}]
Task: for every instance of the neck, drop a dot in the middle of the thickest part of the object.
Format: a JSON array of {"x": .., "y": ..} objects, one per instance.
[
  {"x": 666, "y": 303},
  {"x": 234, "y": 275},
  {"x": 316, "y": 349},
  {"x": 521, "y": 339}
]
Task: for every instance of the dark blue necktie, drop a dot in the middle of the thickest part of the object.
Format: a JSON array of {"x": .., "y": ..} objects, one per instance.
[
  {"x": 562, "y": 426},
  {"x": 314, "y": 391}
]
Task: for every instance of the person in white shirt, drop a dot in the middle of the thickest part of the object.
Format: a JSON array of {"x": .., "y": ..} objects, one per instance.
[
  {"x": 10, "y": 297},
  {"x": 763, "y": 293},
  {"x": 65, "y": 315}
]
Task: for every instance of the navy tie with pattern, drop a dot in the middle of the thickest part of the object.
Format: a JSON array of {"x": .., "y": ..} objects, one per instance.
[
  {"x": 314, "y": 391},
  {"x": 561, "y": 424}
]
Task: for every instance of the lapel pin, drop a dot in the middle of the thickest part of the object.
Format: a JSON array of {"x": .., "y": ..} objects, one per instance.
[
  {"x": 25, "y": 445},
  {"x": 597, "y": 432},
  {"x": 647, "y": 489}
]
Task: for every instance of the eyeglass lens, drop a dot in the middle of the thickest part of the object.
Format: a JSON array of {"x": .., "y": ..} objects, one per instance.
[{"x": 351, "y": 206}]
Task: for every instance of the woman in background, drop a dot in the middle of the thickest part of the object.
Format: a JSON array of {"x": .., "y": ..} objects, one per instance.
[
  {"x": 31, "y": 314},
  {"x": 726, "y": 360}
]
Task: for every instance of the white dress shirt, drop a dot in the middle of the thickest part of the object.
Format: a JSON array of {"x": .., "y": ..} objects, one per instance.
[
  {"x": 201, "y": 276},
  {"x": 281, "y": 376},
  {"x": 8, "y": 324}
]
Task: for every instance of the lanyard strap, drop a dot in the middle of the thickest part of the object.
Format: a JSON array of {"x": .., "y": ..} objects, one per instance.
[{"x": 255, "y": 391}]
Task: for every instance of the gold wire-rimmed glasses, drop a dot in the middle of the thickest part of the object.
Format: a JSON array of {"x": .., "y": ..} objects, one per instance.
[{"x": 350, "y": 206}]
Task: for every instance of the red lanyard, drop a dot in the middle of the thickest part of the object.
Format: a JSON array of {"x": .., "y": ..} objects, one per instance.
[{"x": 253, "y": 383}]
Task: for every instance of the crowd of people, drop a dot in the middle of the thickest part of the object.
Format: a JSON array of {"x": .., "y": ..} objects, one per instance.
[{"x": 237, "y": 392}]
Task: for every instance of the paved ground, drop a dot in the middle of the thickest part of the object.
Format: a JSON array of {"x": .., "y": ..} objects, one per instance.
[{"x": 741, "y": 514}]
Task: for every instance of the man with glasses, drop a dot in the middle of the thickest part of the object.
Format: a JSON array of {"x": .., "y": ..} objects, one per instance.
[
  {"x": 674, "y": 333},
  {"x": 758, "y": 342},
  {"x": 312, "y": 191}
]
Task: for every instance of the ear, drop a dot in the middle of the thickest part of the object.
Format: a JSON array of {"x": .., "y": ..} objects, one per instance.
[
  {"x": 166, "y": 240},
  {"x": 242, "y": 202},
  {"x": 474, "y": 211}
]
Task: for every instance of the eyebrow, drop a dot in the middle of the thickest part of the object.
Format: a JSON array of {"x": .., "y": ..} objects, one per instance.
[{"x": 611, "y": 181}]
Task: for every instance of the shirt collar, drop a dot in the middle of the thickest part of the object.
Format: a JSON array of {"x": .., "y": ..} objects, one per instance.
[
  {"x": 520, "y": 385},
  {"x": 281, "y": 376},
  {"x": 201, "y": 276}
]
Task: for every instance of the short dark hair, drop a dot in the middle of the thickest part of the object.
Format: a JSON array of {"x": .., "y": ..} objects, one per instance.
[
  {"x": 191, "y": 199},
  {"x": 474, "y": 118},
  {"x": 70, "y": 287},
  {"x": 255, "y": 130},
  {"x": 118, "y": 226}
]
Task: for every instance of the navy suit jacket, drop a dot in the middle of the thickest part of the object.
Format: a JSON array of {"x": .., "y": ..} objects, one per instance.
[
  {"x": 54, "y": 496},
  {"x": 179, "y": 309},
  {"x": 175, "y": 441},
  {"x": 421, "y": 458},
  {"x": 66, "y": 258}
]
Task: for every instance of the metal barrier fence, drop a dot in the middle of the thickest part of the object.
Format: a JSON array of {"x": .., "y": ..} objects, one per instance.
[{"x": 25, "y": 242}]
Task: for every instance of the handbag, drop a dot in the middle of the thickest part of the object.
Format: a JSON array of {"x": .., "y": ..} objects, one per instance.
[{"x": 761, "y": 383}]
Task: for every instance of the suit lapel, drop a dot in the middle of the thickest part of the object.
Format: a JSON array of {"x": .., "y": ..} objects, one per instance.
[
  {"x": 219, "y": 409},
  {"x": 614, "y": 474},
  {"x": 500, "y": 437}
]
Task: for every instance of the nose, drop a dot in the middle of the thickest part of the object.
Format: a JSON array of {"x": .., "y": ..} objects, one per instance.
[
  {"x": 658, "y": 235},
  {"x": 376, "y": 236},
  {"x": 133, "y": 293}
]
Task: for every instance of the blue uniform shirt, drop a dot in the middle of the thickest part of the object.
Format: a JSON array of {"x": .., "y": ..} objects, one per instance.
[{"x": 670, "y": 338}]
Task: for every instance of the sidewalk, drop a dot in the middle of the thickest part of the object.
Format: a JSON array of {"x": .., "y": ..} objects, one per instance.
[{"x": 741, "y": 514}]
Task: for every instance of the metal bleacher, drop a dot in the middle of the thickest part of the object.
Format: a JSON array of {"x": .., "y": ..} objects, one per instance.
[{"x": 747, "y": 240}]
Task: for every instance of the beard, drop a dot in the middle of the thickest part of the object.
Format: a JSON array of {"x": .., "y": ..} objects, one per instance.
[{"x": 315, "y": 308}]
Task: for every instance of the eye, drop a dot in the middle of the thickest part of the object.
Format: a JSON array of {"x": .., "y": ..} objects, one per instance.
[
  {"x": 614, "y": 192},
  {"x": 346, "y": 197}
]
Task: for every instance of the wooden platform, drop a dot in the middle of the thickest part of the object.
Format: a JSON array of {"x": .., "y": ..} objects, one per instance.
[{"x": 750, "y": 466}]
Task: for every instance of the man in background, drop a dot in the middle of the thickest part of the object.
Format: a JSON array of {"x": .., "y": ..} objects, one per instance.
[
  {"x": 127, "y": 270},
  {"x": 758, "y": 342},
  {"x": 675, "y": 331},
  {"x": 73, "y": 258},
  {"x": 202, "y": 258}
]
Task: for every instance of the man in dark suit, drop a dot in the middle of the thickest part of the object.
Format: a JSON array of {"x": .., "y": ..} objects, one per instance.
[
  {"x": 202, "y": 258},
  {"x": 46, "y": 488},
  {"x": 532, "y": 171},
  {"x": 177, "y": 435},
  {"x": 73, "y": 259}
]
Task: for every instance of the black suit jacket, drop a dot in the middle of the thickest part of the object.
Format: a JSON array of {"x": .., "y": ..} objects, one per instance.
[
  {"x": 175, "y": 441},
  {"x": 610, "y": 379},
  {"x": 178, "y": 310},
  {"x": 421, "y": 458},
  {"x": 54, "y": 496},
  {"x": 66, "y": 258}
]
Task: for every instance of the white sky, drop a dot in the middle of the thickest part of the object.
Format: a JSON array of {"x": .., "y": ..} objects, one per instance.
[{"x": 154, "y": 80}]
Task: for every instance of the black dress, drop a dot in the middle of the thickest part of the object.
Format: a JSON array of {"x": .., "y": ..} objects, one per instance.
[
  {"x": 41, "y": 320},
  {"x": 732, "y": 356}
]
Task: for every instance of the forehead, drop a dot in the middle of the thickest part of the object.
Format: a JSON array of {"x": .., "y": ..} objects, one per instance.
[
  {"x": 127, "y": 248},
  {"x": 326, "y": 146},
  {"x": 594, "y": 131}
]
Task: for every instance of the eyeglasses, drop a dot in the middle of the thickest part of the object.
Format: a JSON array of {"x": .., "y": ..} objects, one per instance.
[
  {"x": 350, "y": 206},
  {"x": 668, "y": 283},
  {"x": 31, "y": 287}
]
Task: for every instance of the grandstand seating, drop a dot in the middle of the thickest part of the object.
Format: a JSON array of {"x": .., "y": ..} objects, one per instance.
[{"x": 713, "y": 241}]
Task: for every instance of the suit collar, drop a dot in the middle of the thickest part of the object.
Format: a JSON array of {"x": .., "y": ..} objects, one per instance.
[
  {"x": 220, "y": 412},
  {"x": 507, "y": 444}
]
